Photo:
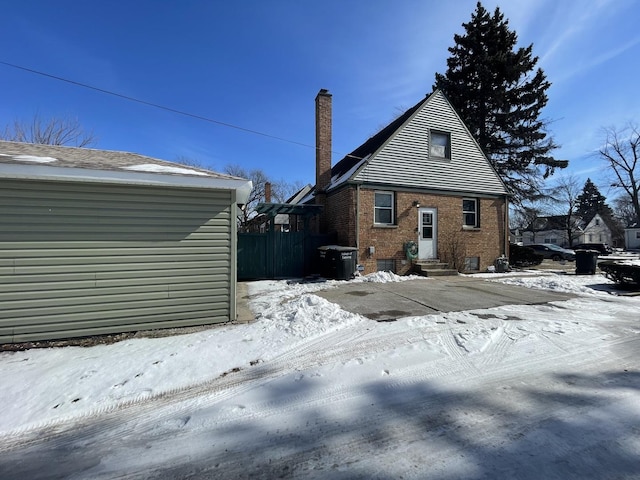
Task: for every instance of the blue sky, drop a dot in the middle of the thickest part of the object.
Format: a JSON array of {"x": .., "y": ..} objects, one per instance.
[{"x": 258, "y": 65}]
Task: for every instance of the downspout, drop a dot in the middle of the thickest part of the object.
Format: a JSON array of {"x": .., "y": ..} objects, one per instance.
[
  {"x": 506, "y": 226},
  {"x": 233, "y": 261},
  {"x": 358, "y": 218}
]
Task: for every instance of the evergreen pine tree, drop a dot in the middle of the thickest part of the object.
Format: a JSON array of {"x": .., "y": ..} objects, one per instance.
[
  {"x": 591, "y": 201},
  {"x": 500, "y": 97}
]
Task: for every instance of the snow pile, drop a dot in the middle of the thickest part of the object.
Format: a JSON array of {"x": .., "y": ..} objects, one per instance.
[
  {"x": 386, "y": 277},
  {"x": 578, "y": 284},
  {"x": 308, "y": 316}
]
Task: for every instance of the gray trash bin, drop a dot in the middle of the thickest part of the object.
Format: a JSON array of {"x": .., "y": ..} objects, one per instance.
[
  {"x": 586, "y": 262},
  {"x": 501, "y": 264},
  {"x": 337, "y": 262}
]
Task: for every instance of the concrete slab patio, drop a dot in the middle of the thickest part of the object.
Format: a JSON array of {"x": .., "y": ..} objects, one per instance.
[{"x": 390, "y": 301}]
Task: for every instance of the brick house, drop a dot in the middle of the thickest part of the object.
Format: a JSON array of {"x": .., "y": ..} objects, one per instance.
[{"x": 420, "y": 189}]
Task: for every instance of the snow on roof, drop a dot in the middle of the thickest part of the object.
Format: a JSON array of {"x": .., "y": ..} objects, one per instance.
[
  {"x": 56, "y": 162},
  {"x": 339, "y": 179},
  {"x": 31, "y": 158},
  {"x": 155, "y": 168}
]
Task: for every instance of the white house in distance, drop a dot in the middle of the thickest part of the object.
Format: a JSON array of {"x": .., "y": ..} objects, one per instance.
[
  {"x": 596, "y": 231},
  {"x": 552, "y": 229},
  {"x": 632, "y": 237}
]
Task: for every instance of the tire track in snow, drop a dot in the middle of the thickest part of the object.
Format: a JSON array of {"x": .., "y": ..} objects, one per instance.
[
  {"x": 336, "y": 345},
  {"x": 368, "y": 427},
  {"x": 497, "y": 350},
  {"x": 228, "y": 384}
]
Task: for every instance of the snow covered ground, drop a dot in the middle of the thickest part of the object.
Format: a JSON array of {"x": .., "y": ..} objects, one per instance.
[{"x": 312, "y": 391}]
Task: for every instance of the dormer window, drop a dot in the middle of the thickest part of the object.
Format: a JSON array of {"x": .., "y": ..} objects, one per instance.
[{"x": 440, "y": 144}]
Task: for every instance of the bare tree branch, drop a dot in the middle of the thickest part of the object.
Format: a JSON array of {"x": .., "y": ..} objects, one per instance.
[
  {"x": 565, "y": 193},
  {"x": 621, "y": 151},
  {"x": 280, "y": 191},
  {"x": 189, "y": 162},
  {"x": 52, "y": 131}
]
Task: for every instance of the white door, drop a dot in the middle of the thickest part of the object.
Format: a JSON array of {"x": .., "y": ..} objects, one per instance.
[{"x": 427, "y": 233}]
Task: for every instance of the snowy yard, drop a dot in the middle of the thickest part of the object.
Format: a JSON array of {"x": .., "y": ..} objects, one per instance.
[{"x": 311, "y": 391}]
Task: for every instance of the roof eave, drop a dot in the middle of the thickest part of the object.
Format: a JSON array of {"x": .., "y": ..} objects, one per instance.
[{"x": 66, "y": 174}]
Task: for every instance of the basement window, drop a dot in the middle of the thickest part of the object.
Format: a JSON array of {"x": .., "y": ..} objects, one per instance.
[
  {"x": 471, "y": 264},
  {"x": 386, "y": 265}
]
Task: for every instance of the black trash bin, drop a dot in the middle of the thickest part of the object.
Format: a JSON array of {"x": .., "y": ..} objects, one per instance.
[
  {"x": 337, "y": 262},
  {"x": 586, "y": 262}
]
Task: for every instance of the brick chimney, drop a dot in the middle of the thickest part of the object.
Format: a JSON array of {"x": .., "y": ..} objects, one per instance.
[
  {"x": 267, "y": 192},
  {"x": 323, "y": 140}
]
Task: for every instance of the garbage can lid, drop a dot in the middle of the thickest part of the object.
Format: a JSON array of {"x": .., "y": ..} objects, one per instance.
[{"x": 338, "y": 248}]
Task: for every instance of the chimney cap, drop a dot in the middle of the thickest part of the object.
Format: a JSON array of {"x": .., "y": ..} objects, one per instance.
[{"x": 324, "y": 91}]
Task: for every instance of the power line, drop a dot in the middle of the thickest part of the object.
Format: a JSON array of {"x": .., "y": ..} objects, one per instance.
[{"x": 155, "y": 105}]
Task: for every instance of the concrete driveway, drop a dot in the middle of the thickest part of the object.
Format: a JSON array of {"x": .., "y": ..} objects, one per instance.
[{"x": 390, "y": 301}]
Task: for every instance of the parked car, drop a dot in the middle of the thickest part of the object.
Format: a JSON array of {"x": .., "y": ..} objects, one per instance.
[
  {"x": 554, "y": 252},
  {"x": 603, "y": 248}
]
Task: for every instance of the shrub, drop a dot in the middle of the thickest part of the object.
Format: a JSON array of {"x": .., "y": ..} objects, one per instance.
[
  {"x": 523, "y": 256},
  {"x": 626, "y": 275}
]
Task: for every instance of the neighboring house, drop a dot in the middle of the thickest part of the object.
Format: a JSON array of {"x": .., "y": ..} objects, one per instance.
[
  {"x": 596, "y": 230},
  {"x": 282, "y": 222},
  {"x": 632, "y": 237},
  {"x": 553, "y": 229},
  {"x": 96, "y": 242},
  {"x": 285, "y": 222},
  {"x": 515, "y": 236},
  {"x": 423, "y": 179}
]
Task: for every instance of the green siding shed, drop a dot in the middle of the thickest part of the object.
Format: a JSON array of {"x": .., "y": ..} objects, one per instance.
[{"x": 135, "y": 244}]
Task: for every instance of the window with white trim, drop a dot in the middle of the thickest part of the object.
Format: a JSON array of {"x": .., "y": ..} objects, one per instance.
[
  {"x": 470, "y": 213},
  {"x": 439, "y": 144},
  {"x": 383, "y": 208}
]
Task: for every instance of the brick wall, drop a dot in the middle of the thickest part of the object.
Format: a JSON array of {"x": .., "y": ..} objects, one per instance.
[
  {"x": 486, "y": 242},
  {"x": 340, "y": 212}
]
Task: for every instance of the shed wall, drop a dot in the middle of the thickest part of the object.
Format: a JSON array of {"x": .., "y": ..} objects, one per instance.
[{"x": 82, "y": 259}]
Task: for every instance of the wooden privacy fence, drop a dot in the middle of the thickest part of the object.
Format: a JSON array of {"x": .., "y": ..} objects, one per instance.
[{"x": 279, "y": 254}]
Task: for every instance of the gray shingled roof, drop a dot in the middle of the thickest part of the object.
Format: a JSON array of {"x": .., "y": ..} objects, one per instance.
[
  {"x": 89, "y": 158},
  {"x": 54, "y": 162}
]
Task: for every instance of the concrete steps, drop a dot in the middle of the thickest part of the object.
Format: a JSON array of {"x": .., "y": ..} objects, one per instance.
[{"x": 433, "y": 268}]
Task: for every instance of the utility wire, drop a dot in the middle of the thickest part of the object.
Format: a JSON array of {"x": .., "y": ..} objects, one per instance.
[{"x": 155, "y": 105}]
